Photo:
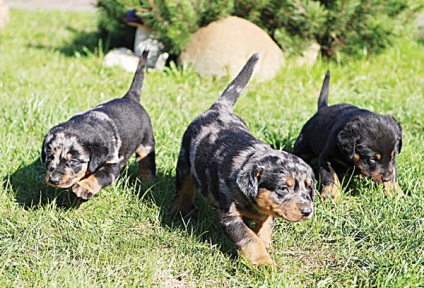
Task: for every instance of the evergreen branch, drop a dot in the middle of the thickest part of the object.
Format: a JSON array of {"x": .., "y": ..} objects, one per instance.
[
  {"x": 111, "y": 12},
  {"x": 343, "y": 7},
  {"x": 302, "y": 10},
  {"x": 156, "y": 13},
  {"x": 368, "y": 4},
  {"x": 180, "y": 11}
]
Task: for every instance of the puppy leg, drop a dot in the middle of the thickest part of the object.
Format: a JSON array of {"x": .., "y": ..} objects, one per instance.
[
  {"x": 392, "y": 186},
  {"x": 246, "y": 240},
  {"x": 91, "y": 185},
  {"x": 186, "y": 190},
  {"x": 264, "y": 230},
  {"x": 331, "y": 184},
  {"x": 146, "y": 164}
]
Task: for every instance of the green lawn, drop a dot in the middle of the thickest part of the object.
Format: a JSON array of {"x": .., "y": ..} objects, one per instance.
[{"x": 124, "y": 236}]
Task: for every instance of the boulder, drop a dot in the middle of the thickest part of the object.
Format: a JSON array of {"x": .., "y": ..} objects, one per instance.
[
  {"x": 121, "y": 57},
  {"x": 223, "y": 47},
  {"x": 4, "y": 14},
  {"x": 145, "y": 39},
  {"x": 310, "y": 55}
]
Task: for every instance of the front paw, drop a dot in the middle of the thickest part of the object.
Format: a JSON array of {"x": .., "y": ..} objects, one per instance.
[
  {"x": 391, "y": 188},
  {"x": 331, "y": 191},
  {"x": 262, "y": 260},
  {"x": 87, "y": 188}
]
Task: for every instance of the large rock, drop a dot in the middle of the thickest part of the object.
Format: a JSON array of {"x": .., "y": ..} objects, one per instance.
[
  {"x": 309, "y": 55},
  {"x": 224, "y": 46},
  {"x": 4, "y": 14},
  {"x": 121, "y": 57}
]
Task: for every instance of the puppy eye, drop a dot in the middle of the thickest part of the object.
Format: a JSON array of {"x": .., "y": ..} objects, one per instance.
[
  {"x": 371, "y": 162},
  {"x": 282, "y": 190},
  {"x": 74, "y": 162}
]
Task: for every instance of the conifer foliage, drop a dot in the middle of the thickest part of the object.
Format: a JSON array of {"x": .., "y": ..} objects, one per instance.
[{"x": 348, "y": 26}]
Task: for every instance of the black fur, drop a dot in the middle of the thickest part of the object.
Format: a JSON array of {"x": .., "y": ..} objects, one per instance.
[
  {"x": 88, "y": 151},
  {"x": 343, "y": 136}
]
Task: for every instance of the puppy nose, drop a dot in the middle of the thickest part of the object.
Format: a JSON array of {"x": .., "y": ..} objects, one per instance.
[
  {"x": 306, "y": 211},
  {"x": 54, "y": 180}
]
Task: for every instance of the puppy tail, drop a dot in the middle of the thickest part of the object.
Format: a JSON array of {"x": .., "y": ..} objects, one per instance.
[
  {"x": 229, "y": 97},
  {"x": 135, "y": 89},
  {"x": 323, "y": 96}
]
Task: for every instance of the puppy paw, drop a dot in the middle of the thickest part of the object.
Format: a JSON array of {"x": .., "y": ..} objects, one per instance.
[
  {"x": 255, "y": 251},
  {"x": 147, "y": 176},
  {"x": 185, "y": 211},
  {"x": 87, "y": 188},
  {"x": 391, "y": 188},
  {"x": 331, "y": 191},
  {"x": 263, "y": 260}
]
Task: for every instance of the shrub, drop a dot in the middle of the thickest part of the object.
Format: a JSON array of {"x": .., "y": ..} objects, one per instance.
[{"x": 351, "y": 27}]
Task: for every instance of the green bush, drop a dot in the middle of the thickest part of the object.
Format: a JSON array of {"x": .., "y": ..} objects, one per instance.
[{"x": 354, "y": 27}]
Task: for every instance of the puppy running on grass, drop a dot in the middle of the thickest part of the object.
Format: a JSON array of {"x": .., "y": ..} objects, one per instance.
[
  {"x": 87, "y": 152},
  {"x": 344, "y": 137},
  {"x": 248, "y": 181}
]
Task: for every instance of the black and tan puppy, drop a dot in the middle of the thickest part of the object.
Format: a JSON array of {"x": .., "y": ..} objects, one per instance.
[
  {"x": 247, "y": 181},
  {"x": 343, "y": 137},
  {"x": 87, "y": 152}
]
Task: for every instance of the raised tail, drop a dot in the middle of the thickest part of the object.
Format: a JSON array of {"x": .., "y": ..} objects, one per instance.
[
  {"x": 229, "y": 97},
  {"x": 137, "y": 83},
  {"x": 323, "y": 96}
]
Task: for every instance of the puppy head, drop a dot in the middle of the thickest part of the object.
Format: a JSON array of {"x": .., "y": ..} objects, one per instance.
[
  {"x": 281, "y": 185},
  {"x": 371, "y": 144},
  {"x": 67, "y": 159}
]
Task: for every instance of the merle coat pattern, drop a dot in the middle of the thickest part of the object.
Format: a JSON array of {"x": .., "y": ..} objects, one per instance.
[
  {"x": 87, "y": 152},
  {"x": 249, "y": 182}
]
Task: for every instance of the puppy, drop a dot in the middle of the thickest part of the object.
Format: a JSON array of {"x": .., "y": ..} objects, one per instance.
[
  {"x": 343, "y": 136},
  {"x": 87, "y": 152},
  {"x": 247, "y": 181}
]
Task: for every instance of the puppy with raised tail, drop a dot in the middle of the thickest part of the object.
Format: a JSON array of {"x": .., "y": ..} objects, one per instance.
[
  {"x": 87, "y": 152},
  {"x": 344, "y": 137},
  {"x": 249, "y": 182}
]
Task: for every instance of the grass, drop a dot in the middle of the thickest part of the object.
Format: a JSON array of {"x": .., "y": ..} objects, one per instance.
[{"x": 50, "y": 69}]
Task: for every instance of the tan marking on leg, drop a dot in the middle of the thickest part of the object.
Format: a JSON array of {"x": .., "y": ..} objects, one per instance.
[
  {"x": 332, "y": 190},
  {"x": 184, "y": 202},
  {"x": 145, "y": 169},
  {"x": 264, "y": 231},
  {"x": 145, "y": 174},
  {"x": 254, "y": 250},
  {"x": 87, "y": 188}
]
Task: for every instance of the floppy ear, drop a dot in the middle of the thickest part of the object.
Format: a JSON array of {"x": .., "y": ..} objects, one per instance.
[
  {"x": 98, "y": 157},
  {"x": 312, "y": 188},
  {"x": 399, "y": 136},
  {"x": 347, "y": 139},
  {"x": 247, "y": 179},
  {"x": 43, "y": 155}
]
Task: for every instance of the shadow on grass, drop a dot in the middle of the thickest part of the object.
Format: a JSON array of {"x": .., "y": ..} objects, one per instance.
[
  {"x": 30, "y": 190},
  {"x": 201, "y": 225},
  {"x": 88, "y": 43},
  {"x": 28, "y": 185}
]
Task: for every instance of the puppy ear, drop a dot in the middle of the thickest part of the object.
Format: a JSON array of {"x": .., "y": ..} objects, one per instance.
[
  {"x": 98, "y": 157},
  {"x": 399, "y": 136},
  {"x": 347, "y": 139},
  {"x": 248, "y": 179},
  {"x": 312, "y": 188},
  {"x": 43, "y": 155}
]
